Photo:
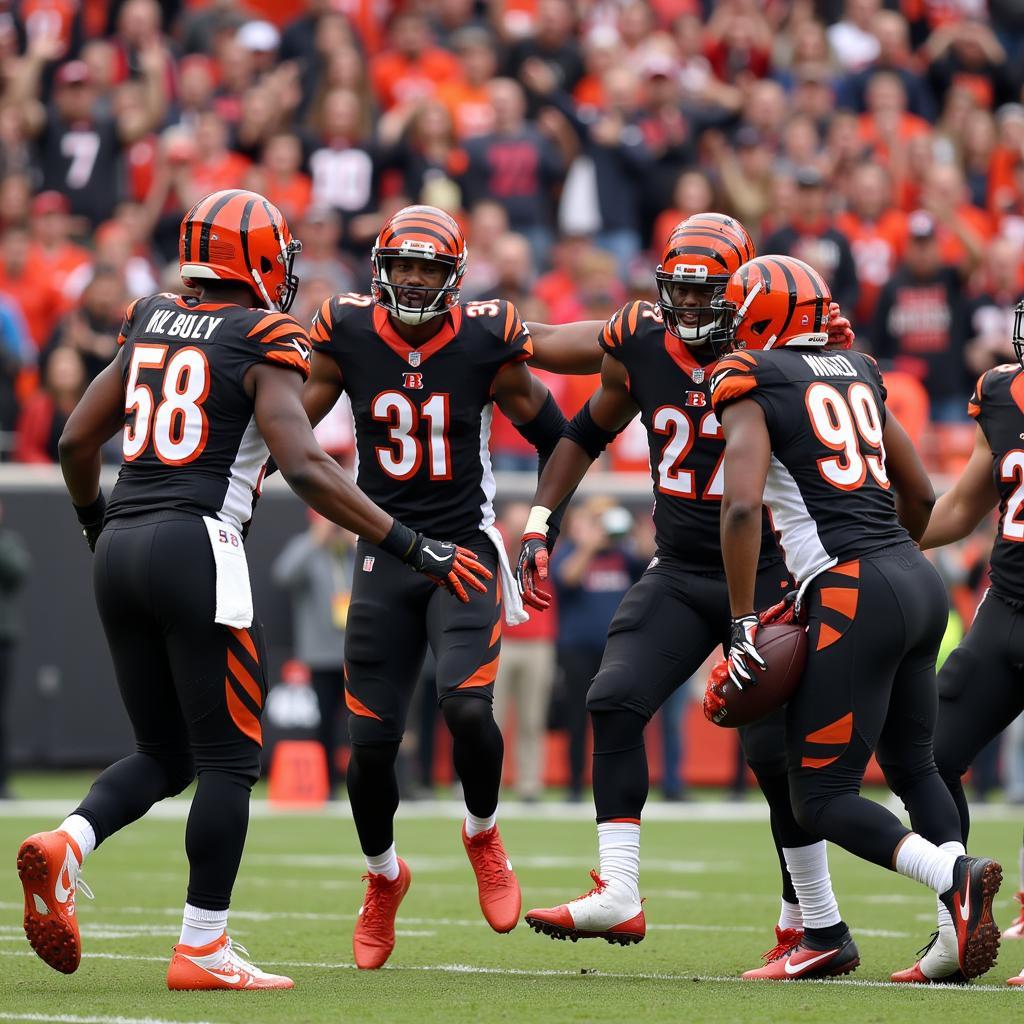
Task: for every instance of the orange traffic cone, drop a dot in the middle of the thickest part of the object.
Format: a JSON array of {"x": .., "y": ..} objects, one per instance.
[{"x": 298, "y": 773}]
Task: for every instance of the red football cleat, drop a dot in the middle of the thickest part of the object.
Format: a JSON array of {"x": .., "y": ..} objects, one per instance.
[
  {"x": 49, "y": 864},
  {"x": 806, "y": 961},
  {"x": 218, "y": 965},
  {"x": 976, "y": 881},
  {"x": 1017, "y": 981},
  {"x": 500, "y": 898},
  {"x": 374, "y": 935},
  {"x": 1016, "y": 930},
  {"x": 786, "y": 940},
  {"x": 606, "y": 912}
]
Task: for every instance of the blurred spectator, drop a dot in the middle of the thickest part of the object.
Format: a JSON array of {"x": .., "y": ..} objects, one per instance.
[
  {"x": 466, "y": 97},
  {"x": 738, "y": 42},
  {"x": 320, "y": 234},
  {"x": 426, "y": 153},
  {"x": 212, "y": 165},
  {"x": 745, "y": 173},
  {"x": 978, "y": 145},
  {"x": 591, "y": 570},
  {"x": 343, "y": 167},
  {"x": 962, "y": 228},
  {"x": 852, "y": 39},
  {"x": 279, "y": 177},
  {"x": 526, "y": 672},
  {"x": 91, "y": 328},
  {"x": 877, "y": 232},
  {"x": 15, "y": 564},
  {"x": 53, "y": 254},
  {"x": 513, "y": 272},
  {"x": 488, "y": 222},
  {"x": 919, "y": 324},
  {"x": 414, "y": 66},
  {"x": 17, "y": 353},
  {"x": 552, "y": 43},
  {"x": 894, "y": 55},
  {"x": 515, "y": 165},
  {"x": 966, "y": 53},
  {"x": 47, "y": 410},
  {"x": 691, "y": 195},
  {"x": 886, "y": 126},
  {"x": 81, "y": 145},
  {"x": 36, "y": 295},
  {"x": 204, "y": 27},
  {"x": 990, "y": 313},
  {"x": 316, "y": 568},
  {"x": 813, "y": 237}
]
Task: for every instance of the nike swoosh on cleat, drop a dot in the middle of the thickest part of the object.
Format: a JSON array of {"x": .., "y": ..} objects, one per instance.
[
  {"x": 965, "y": 910},
  {"x": 41, "y": 907},
  {"x": 231, "y": 979},
  {"x": 806, "y": 964},
  {"x": 59, "y": 890}
]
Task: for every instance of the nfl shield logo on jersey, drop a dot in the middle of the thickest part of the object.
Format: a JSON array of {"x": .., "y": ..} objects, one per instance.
[
  {"x": 414, "y": 358},
  {"x": 697, "y": 375},
  {"x": 368, "y": 563}
]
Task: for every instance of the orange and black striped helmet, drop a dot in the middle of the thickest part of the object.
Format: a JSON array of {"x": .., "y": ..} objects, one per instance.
[
  {"x": 237, "y": 235},
  {"x": 702, "y": 252},
  {"x": 424, "y": 233},
  {"x": 773, "y": 302}
]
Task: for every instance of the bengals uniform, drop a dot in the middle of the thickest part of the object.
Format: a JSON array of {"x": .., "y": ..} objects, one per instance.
[
  {"x": 422, "y": 422},
  {"x": 981, "y": 684},
  {"x": 876, "y": 609}
]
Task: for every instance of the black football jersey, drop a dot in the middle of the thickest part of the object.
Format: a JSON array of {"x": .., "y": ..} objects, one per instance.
[
  {"x": 423, "y": 413},
  {"x": 190, "y": 440},
  {"x": 998, "y": 406},
  {"x": 673, "y": 392},
  {"x": 827, "y": 491}
]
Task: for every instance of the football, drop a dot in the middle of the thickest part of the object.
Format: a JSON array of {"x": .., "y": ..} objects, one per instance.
[{"x": 784, "y": 649}]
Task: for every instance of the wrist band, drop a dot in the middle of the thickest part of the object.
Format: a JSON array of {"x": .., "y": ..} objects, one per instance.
[{"x": 538, "y": 520}]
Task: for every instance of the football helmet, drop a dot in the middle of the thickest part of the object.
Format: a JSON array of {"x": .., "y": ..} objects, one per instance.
[
  {"x": 426, "y": 233},
  {"x": 703, "y": 250},
  {"x": 238, "y": 235},
  {"x": 1018, "y": 331},
  {"x": 771, "y": 302}
]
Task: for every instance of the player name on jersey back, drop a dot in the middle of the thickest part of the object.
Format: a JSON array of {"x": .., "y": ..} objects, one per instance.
[
  {"x": 190, "y": 442},
  {"x": 998, "y": 406},
  {"x": 827, "y": 489}
]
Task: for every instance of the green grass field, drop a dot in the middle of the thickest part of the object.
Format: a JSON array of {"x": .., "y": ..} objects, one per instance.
[{"x": 712, "y": 898}]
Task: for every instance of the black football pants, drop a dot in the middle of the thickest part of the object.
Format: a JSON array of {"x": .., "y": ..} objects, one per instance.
[{"x": 193, "y": 690}]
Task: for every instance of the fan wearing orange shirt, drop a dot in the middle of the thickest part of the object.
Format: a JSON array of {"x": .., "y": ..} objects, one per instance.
[
  {"x": 279, "y": 177},
  {"x": 216, "y": 167},
  {"x": 877, "y": 233},
  {"x": 52, "y": 252},
  {"x": 888, "y": 125},
  {"x": 466, "y": 98},
  {"x": 413, "y": 67}
]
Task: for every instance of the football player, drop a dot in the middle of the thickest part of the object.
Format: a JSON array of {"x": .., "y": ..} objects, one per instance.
[
  {"x": 422, "y": 370},
  {"x": 200, "y": 389},
  {"x": 657, "y": 362},
  {"x": 807, "y": 433},
  {"x": 981, "y": 684}
]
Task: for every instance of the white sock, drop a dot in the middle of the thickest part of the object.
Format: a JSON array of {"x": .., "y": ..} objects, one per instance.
[
  {"x": 943, "y": 916},
  {"x": 475, "y": 825},
  {"x": 385, "y": 864},
  {"x": 200, "y": 927},
  {"x": 808, "y": 868},
  {"x": 926, "y": 863},
  {"x": 618, "y": 844},
  {"x": 790, "y": 916},
  {"x": 81, "y": 831}
]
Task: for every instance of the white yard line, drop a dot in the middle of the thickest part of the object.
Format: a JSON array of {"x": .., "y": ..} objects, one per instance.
[
  {"x": 976, "y": 989},
  {"x": 68, "y": 1018}
]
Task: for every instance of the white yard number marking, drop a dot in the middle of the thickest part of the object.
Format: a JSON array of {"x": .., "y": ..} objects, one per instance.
[
  {"x": 178, "y": 424},
  {"x": 403, "y": 418},
  {"x": 842, "y": 424}
]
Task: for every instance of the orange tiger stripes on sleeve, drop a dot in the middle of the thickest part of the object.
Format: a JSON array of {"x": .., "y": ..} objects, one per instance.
[
  {"x": 291, "y": 358},
  {"x": 129, "y": 312},
  {"x": 634, "y": 314},
  {"x": 974, "y": 405},
  {"x": 284, "y": 330},
  {"x": 269, "y": 321},
  {"x": 733, "y": 378}
]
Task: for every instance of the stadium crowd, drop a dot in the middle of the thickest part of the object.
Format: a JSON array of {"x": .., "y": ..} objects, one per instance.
[{"x": 882, "y": 141}]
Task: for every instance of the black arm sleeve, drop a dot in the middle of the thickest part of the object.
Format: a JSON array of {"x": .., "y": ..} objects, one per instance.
[{"x": 587, "y": 434}]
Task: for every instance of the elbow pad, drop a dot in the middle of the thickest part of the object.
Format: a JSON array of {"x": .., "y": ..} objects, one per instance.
[
  {"x": 587, "y": 434},
  {"x": 545, "y": 430}
]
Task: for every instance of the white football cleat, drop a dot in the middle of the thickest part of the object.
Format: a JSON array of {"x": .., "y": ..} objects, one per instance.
[
  {"x": 607, "y": 912},
  {"x": 218, "y": 965}
]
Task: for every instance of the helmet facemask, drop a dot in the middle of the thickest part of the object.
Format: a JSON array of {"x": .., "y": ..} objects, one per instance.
[
  {"x": 1018, "y": 332},
  {"x": 433, "y": 300},
  {"x": 704, "y": 318}
]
